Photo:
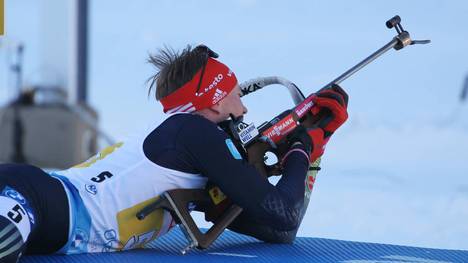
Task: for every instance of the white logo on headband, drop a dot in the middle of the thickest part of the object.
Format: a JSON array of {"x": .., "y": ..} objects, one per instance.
[
  {"x": 219, "y": 95},
  {"x": 213, "y": 84}
]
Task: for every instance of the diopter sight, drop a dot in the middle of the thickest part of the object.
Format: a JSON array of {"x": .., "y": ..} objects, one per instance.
[{"x": 403, "y": 36}]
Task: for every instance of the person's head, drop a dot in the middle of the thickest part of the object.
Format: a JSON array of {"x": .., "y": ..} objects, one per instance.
[{"x": 193, "y": 81}]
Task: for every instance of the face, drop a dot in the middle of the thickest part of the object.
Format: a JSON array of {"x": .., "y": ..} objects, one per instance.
[{"x": 232, "y": 104}]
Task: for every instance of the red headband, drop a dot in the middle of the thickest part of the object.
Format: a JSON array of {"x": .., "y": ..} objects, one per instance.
[{"x": 218, "y": 81}]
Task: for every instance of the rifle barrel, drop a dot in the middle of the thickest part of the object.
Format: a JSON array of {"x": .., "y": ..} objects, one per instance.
[{"x": 363, "y": 63}]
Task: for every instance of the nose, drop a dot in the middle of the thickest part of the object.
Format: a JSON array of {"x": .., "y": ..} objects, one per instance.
[{"x": 244, "y": 108}]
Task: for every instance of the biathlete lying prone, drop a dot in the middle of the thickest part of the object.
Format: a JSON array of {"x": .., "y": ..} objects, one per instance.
[{"x": 91, "y": 207}]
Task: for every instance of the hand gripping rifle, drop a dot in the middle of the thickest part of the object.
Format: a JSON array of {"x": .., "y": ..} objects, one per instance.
[{"x": 253, "y": 143}]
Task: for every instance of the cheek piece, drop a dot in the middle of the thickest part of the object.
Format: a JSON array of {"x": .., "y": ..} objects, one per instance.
[{"x": 210, "y": 85}]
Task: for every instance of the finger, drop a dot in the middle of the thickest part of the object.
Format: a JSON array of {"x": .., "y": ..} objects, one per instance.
[
  {"x": 331, "y": 94},
  {"x": 315, "y": 109},
  {"x": 340, "y": 90},
  {"x": 329, "y": 101},
  {"x": 336, "y": 109}
]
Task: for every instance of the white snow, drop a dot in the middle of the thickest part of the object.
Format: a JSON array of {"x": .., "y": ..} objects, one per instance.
[{"x": 403, "y": 185}]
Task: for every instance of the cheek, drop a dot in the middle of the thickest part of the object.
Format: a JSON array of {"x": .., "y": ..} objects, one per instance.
[
  {"x": 231, "y": 103},
  {"x": 239, "y": 104}
]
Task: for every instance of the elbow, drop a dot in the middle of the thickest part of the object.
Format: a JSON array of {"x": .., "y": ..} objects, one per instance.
[
  {"x": 281, "y": 217},
  {"x": 290, "y": 224},
  {"x": 288, "y": 219},
  {"x": 285, "y": 222},
  {"x": 284, "y": 240},
  {"x": 281, "y": 237}
]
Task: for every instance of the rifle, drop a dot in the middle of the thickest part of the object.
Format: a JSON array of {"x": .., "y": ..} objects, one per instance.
[{"x": 253, "y": 143}]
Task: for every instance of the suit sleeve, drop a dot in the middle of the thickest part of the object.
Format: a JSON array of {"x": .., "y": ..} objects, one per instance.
[
  {"x": 244, "y": 225},
  {"x": 276, "y": 207}
]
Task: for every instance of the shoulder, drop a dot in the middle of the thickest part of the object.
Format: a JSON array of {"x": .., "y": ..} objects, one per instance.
[
  {"x": 194, "y": 126},
  {"x": 205, "y": 139},
  {"x": 182, "y": 130},
  {"x": 177, "y": 123},
  {"x": 201, "y": 136},
  {"x": 186, "y": 142},
  {"x": 184, "y": 120}
]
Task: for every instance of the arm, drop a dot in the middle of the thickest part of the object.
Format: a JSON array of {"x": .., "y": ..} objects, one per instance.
[
  {"x": 278, "y": 207},
  {"x": 244, "y": 225}
]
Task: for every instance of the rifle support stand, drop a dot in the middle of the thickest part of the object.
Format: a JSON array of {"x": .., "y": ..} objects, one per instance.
[{"x": 179, "y": 203}]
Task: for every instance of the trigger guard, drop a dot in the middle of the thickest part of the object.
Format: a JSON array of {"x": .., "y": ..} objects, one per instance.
[{"x": 274, "y": 170}]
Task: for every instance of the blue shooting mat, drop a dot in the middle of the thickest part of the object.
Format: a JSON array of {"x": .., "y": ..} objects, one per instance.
[{"x": 233, "y": 247}]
